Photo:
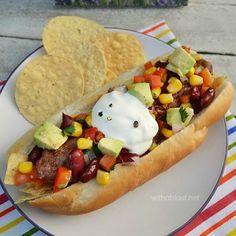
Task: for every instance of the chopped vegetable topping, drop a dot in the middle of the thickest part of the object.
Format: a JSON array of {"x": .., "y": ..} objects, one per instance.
[{"x": 172, "y": 90}]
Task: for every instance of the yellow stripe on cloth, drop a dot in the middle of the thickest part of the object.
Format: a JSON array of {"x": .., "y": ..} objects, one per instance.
[
  {"x": 231, "y": 233},
  {"x": 11, "y": 224},
  {"x": 162, "y": 33},
  {"x": 231, "y": 159}
]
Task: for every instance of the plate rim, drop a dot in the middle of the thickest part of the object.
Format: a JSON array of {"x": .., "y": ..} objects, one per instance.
[{"x": 174, "y": 231}]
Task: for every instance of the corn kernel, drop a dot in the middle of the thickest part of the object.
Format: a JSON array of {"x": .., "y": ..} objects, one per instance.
[
  {"x": 186, "y": 105},
  {"x": 102, "y": 177},
  {"x": 151, "y": 70},
  {"x": 195, "y": 80},
  {"x": 25, "y": 167},
  {"x": 166, "y": 98},
  {"x": 153, "y": 146},
  {"x": 191, "y": 72},
  {"x": 88, "y": 119},
  {"x": 156, "y": 92},
  {"x": 84, "y": 143},
  {"x": 171, "y": 79},
  {"x": 174, "y": 86},
  {"x": 167, "y": 132},
  {"x": 78, "y": 130}
]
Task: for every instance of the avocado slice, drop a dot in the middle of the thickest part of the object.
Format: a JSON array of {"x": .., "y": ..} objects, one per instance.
[
  {"x": 110, "y": 146},
  {"x": 180, "y": 62},
  {"x": 179, "y": 116},
  {"x": 143, "y": 92},
  {"x": 49, "y": 136}
]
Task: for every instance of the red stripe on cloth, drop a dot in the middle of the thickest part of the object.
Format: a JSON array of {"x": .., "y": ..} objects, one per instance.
[
  {"x": 207, "y": 213},
  {"x": 153, "y": 28},
  {"x": 3, "y": 198},
  {"x": 218, "y": 224},
  {"x": 227, "y": 177},
  {"x": 3, "y": 213},
  {"x": 2, "y": 82}
]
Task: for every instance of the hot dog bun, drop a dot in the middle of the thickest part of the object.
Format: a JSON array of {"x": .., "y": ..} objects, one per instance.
[{"x": 80, "y": 198}]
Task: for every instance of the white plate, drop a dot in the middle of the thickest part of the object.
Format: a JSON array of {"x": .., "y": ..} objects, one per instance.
[{"x": 158, "y": 207}]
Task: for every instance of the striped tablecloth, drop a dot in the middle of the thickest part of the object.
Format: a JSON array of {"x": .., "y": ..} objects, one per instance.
[{"x": 217, "y": 218}]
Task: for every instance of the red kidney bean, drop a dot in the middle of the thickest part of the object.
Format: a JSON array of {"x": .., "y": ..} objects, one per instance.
[
  {"x": 207, "y": 97},
  {"x": 66, "y": 121},
  {"x": 35, "y": 154},
  {"x": 195, "y": 93},
  {"x": 90, "y": 172},
  {"x": 196, "y": 106},
  {"x": 76, "y": 163}
]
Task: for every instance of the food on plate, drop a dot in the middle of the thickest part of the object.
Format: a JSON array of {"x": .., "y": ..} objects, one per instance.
[
  {"x": 47, "y": 84},
  {"x": 109, "y": 142},
  {"x": 100, "y": 54}
]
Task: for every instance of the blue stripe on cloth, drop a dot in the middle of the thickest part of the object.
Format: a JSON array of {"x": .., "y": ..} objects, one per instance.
[{"x": 232, "y": 130}]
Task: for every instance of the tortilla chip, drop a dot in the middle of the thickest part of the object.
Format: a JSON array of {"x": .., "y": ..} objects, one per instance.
[
  {"x": 12, "y": 166},
  {"x": 64, "y": 31},
  {"x": 47, "y": 84}
]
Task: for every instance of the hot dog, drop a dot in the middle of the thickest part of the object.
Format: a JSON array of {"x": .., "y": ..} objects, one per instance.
[{"x": 182, "y": 99}]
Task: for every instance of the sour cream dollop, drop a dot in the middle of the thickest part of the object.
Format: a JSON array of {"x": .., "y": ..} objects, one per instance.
[{"x": 122, "y": 116}]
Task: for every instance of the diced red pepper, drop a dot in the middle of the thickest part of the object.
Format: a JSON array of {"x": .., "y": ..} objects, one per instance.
[
  {"x": 139, "y": 79},
  {"x": 207, "y": 77},
  {"x": 98, "y": 136},
  {"x": 154, "y": 80},
  {"x": 107, "y": 162},
  {"x": 90, "y": 133},
  {"x": 62, "y": 178},
  {"x": 161, "y": 72},
  {"x": 148, "y": 65}
]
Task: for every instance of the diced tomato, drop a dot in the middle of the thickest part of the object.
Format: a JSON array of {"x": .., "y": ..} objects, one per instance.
[
  {"x": 21, "y": 179},
  {"x": 90, "y": 133},
  {"x": 184, "y": 99},
  {"x": 148, "y": 65},
  {"x": 139, "y": 79},
  {"x": 207, "y": 77},
  {"x": 107, "y": 162},
  {"x": 33, "y": 175},
  {"x": 161, "y": 72},
  {"x": 62, "y": 178},
  {"x": 154, "y": 80},
  {"x": 98, "y": 136}
]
